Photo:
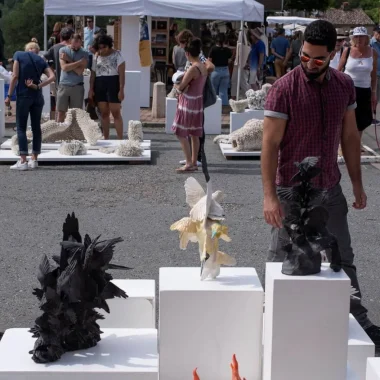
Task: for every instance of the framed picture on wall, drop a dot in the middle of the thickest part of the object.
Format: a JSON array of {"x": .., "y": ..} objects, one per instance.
[{"x": 161, "y": 38}]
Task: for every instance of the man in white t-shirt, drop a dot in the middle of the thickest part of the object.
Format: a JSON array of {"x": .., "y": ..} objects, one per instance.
[{"x": 338, "y": 51}]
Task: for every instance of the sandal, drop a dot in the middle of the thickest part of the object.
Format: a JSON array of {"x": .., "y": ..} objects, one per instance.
[{"x": 184, "y": 169}]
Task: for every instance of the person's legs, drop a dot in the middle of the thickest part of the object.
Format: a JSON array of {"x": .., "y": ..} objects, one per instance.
[
  {"x": 35, "y": 119},
  {"x": 223, "y": 85},
  {"x": 253, "y": 79},
  {"x": 105, "y": 117},
  {"x": 185, "y": 145},
  {"x": 278, "y": 68},
  {"x": 202, "y": 139},
  {"x": 22, "y": 114},
  {"x": 63, "y": 98},
  {"x": 215, "y": 80},
  {"x": 336, "y": 205},
  {"x": 76, "y": 97},
  {"x": 195, "y": 149},
  {"x": 117, "y": 119}
]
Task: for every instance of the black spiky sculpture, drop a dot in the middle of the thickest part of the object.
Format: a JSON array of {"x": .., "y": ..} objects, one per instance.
[
  {"x": 73, "y": 284},
  {"x": 305, "y": 222}
]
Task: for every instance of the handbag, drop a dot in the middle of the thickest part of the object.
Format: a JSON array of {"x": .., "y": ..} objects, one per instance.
[
  {"x": 209, "y": 94},
  {"x": 243, "y": 50}
]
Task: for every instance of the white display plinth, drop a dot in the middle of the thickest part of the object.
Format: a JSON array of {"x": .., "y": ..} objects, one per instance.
[
  {"x": 203, "y": 323},
  {"x": 306, "y": 325},
  {"x": 47, "y": 100},
  {"x": 2, "y": 109},
  {"x": 237, "y": 120},
  {"x": 121, "y": 354},
  {"x": 360, "y": 348},
  {"x": 373, "y": 369},
  {"x": 136, "y": 311},
  {"x": 131, "y": 105},
  {"x": 213, "y": 117}
]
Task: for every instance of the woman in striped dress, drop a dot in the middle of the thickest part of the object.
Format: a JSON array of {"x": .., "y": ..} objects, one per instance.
[{"x": 189, "y": 115}]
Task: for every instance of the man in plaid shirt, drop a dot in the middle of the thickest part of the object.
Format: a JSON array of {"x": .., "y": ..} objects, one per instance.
[{"x": 308, "y": 112}]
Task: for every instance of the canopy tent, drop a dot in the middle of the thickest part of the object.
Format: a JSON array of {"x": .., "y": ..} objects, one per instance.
[
  {"x": 247, "y": 10},
  {"x": 290, "y": 20}
]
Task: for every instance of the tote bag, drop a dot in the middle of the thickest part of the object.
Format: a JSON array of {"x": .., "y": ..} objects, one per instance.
[{"x": 242, "y": 50}]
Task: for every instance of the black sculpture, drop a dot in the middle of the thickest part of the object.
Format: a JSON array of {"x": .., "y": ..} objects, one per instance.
[
  {"x": 72, "y": 286},
  {"x": 305, "y": 222}
]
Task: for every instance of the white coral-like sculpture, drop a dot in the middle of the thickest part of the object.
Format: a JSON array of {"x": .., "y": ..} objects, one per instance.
[
  {"x": 256, "y": 99},
  {"x": 129, "y": 148},
  {"x": 72, "y": 148},
  {"x": 238, "y": 105},
  {"x": 135, "y": 131},
  {"x": 246, "y": 139},
  {"x": 15, "y": 148}
]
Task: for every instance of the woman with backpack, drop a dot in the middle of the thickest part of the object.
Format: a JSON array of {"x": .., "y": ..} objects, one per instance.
[{"x": 360, "y": 62}]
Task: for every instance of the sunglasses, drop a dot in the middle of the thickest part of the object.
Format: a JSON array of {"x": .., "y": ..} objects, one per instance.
[
  {"x": 90, "y": 21},
  {"x": 317, "y": 62}
]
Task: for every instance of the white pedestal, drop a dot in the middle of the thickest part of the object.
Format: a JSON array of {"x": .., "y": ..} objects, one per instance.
[
  {"x": 213, "y": 117},
  {"x": 136, "y": 311},
  {"x": 47, "y": 100},
  {"x": 203, "y": 323},
  {"x": 237, "y": 120},
  {"x": 2, "y": 109},
  {"x": 360, "y": 348},
  {"x": 86, "y": 85},
  {"x": 306, "y": 325},
  {"x": 131, "y": 104},
  {"x": 373, "y": 369},
  {"x": 121, "y": 354}
]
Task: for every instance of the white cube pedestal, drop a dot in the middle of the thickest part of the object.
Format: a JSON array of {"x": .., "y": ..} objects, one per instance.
[
  {"x": 121, "y": 354},
  {"x": 213, "y": 117},
  {"x": 2, "y": 109},
  {"x": 306, "y": 325},
  {"x": 360, "y": 348},
  {"x": 373, "y": 369},
  {"x": 131, "y": 105},
  {"x": 237, "y": 120},
  {"x": 203, "y": 323},
  {"x": 136, "y": 311}
]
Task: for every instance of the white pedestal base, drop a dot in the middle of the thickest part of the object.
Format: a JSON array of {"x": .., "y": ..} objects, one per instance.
[
  {"x": 306, "y": 325},
  {"x": 121, "y": 354},
  {"x": 228, "y": 151},
  {"x": 203, "y": 323},
  {"x": 373, "y": 369},
  {"x": 213, "y": 117},
  {"x": 137, "y": 311},
  {"x": 131, "y": 104},
  {"x": 2, "y": 109},
  {"x": 360, "y": 348},
  {"x": 237, "y": 120}
]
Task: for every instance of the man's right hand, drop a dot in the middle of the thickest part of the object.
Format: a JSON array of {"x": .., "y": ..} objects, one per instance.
[{"x": 273, "y": 211}]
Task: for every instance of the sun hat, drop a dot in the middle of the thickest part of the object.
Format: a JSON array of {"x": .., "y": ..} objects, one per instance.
[
  {"x": 257, "y": 33},
  {"x": 360, "y": 31}
]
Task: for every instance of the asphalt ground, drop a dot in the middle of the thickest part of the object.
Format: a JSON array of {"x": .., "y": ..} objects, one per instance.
[{"x": 139, "y": 203}]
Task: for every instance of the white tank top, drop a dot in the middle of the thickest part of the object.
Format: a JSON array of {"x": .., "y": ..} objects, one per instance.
[{"x": 360, "y": 69}]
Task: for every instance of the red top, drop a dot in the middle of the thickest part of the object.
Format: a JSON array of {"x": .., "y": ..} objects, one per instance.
[{"x": 314, "y": 112}]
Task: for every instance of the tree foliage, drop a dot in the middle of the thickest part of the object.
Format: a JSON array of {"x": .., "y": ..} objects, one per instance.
[{"x": 306, "y": 5}]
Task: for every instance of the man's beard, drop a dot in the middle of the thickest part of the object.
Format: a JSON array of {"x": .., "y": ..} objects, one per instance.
[{"x": 316, "y": 75}]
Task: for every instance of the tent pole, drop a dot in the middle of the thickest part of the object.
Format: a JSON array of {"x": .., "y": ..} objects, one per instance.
[
  {"x": 94, "y": 22},
  {"x": 239, "y": 60},
  {"x": 45, "y": 33}
]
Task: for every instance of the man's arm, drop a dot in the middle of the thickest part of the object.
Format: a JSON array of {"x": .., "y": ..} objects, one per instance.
[
  {"x": 351, "y": 149},
  {"x": 50, "y": 75},
  {"x": 121, "y": 71},
  {"x": 14, "y": 80},
  {"x": 273, "y": 133},
  {"x": 71, "y": 66}
]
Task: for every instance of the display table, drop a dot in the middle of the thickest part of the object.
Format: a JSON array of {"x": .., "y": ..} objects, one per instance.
[
  {"x": 213, "y": 117},
  {"x": 203, "y": 323},
  {"x": 136, "y": 311},
  {"x": 237, "y": 120},
  {"x": 121, "y": 354},
  {"x": 373, "y": 369},
  {"x": 306, "y": 325}
]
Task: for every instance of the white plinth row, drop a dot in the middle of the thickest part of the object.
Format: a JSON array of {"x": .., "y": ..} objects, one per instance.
[
  {"x": 213, "y": 117},
  {"x": 307, "y": 333}
]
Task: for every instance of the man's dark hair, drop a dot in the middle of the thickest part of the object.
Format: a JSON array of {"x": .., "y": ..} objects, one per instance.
[
  {"x": 103, "y": 39},
  {"x": 281, "y": 31},
  {"x": 377, "y": 29},
  {"x": 69, "y": 21},
  {"x": 77, "y": 36},
  {"x": 66, "y": 34},
  {"x": 321, "y": 33},
  {"x": 229, "y": 25},
  {"x": 194, "y": 47}
]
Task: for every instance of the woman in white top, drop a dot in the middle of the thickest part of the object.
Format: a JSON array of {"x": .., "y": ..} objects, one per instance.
[
  {"x": 360, "y": 63},
  {"x": 107, "y": 84}
]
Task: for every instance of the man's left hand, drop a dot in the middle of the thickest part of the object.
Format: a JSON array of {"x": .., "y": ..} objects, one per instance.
[{"x": 360, "y": 198}]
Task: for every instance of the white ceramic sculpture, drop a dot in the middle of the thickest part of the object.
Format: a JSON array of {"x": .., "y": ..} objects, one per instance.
[
  {"x": 127, "y": 148},
  {"x": 72, "y": 148},
  {"x": 246, "y": 139},
  {"x": 135, "y": 131},
  {"x": 256, "y": 99},
  {"x": 204, "y": 226},
  {"x": 238, "y": 105}
]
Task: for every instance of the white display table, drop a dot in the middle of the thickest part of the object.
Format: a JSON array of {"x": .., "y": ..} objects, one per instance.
[
  {"x": 136, "y": 311},
  {"x": 121, "y": 354},
  {"x": 213, "y": 117},
  {"x": 373, "y": 369},
  {"x": 306, "y": 325},
  {"x": 203, "y": 323},
  {"x": 360, "y": 348},
  {"x": 237, "y": 120}
]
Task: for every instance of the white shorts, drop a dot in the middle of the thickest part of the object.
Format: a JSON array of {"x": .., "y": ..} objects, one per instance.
[{"x": 253, "y": 77}]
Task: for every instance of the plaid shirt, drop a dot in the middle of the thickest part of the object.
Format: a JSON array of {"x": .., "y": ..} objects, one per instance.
[{"x": 314, "y": 113}]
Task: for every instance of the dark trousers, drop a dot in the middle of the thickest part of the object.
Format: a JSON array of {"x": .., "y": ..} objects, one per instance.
[
  {"x": 24, "y": 107},
  {"x": 336, "y": 204}
]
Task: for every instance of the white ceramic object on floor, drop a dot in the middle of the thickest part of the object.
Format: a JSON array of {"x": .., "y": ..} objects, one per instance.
[{"x": 203, "y": 323}]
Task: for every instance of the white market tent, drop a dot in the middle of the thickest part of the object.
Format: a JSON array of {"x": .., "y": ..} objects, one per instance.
[
  {"x": 246, "y": 10},
  {"x": 290, "y": 20}
]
